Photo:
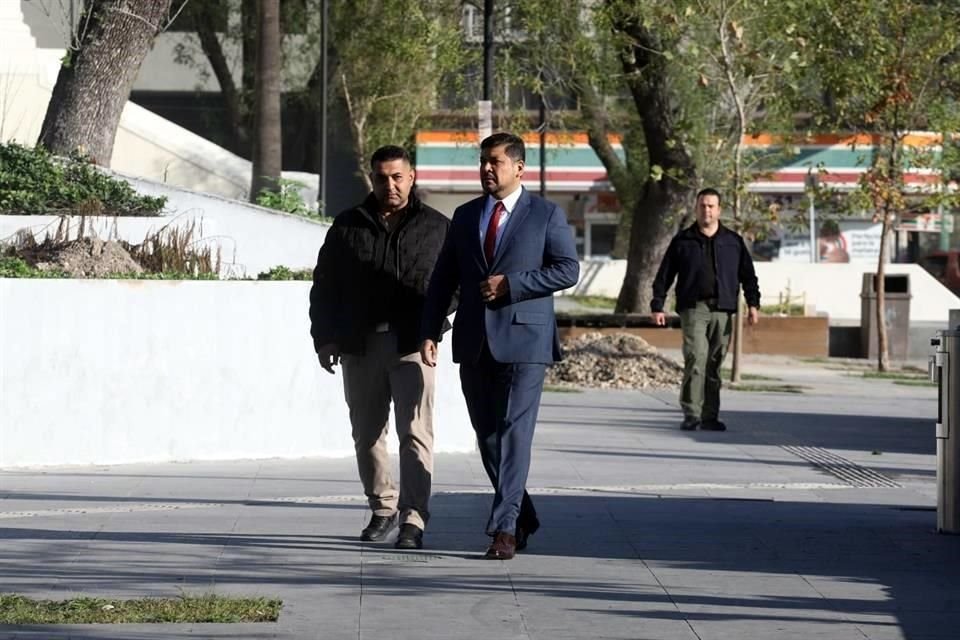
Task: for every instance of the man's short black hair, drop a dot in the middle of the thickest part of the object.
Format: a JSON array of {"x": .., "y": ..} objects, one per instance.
[
  {"x": 709, "y": 191},
  {"x": 389, "y": 153},
  {"x": 514, "y": 145}
]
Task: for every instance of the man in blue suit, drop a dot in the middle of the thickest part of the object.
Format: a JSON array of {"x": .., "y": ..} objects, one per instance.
[{"x": 508, "y": 252}]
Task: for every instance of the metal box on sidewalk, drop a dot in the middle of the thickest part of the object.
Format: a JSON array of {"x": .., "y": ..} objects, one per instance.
[
  {"x": 896, "y": 314},
  {"x": 945, "y": 371}
]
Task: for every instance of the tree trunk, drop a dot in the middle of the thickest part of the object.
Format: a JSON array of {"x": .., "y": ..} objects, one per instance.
[
  {"x": 649, "y": 237},
  {"x": 95, "y": 82},
  {"x": 267, "y": 151},
  {"x": 658, "y": 209},
  {"x": 237, "y": 123},
  {"x": 248, "y": 45},
  {"x": 883, "y": 351}
]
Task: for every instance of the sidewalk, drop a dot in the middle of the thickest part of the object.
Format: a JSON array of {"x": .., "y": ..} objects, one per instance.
[{"x": 648, "y": 532}]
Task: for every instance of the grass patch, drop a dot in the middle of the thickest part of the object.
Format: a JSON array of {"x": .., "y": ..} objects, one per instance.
[
  {"x": 556, "y": 388},
  {"x": 915, "y": 382},
  {"x": 727, "y": 373},
  {"x": 782, "y": 310},
  {"x": 15, "y": 609},
  {"x": 815, "y": 360},
  {"x": 892, "y": 375},
  {"x": 767, "y": 388},
  {"x": 595, "y": 302}
]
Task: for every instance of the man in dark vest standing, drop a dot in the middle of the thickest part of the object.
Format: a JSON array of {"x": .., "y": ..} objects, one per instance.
[{"x": 710, "y": 262}]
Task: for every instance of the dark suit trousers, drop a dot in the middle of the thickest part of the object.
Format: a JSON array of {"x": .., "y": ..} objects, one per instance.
[{"x": 503, "y": 400}]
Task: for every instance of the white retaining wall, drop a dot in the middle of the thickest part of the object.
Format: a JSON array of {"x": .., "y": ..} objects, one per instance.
[
  {"x": 252, "y": 239},
  {"x": 833, "y": 289},
  {"x": 110, "y": 371}
]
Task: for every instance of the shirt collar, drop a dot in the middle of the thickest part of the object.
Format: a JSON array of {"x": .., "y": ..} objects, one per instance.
[{"x": 509, "y": 203}]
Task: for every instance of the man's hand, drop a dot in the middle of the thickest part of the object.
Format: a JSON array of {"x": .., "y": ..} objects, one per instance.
[
  {"x": 428, "y": 353},
  {"x": 494, "y": 287},
  {"x": 329, "y": 355},
  {"x": 659, "y": 318},
  {"x": 753, "y": 315}
]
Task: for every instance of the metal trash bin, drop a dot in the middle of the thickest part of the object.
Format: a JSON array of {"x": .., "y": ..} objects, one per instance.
[
  {"x": 896, "y": 311},
  {"x": 945, "y": 371}
]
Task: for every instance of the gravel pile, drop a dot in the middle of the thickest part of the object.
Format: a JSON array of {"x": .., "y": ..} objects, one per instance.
[
  {"x": 613, "y": 361},
  {"x": 89, "y": 258}
]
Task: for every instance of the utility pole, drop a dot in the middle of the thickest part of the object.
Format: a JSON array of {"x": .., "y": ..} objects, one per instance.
[
  {"x": 543, "y": 141},
  {"x": 811, "y": 183},
  {"x": 485, "y": 107},
  {"x": 322, "y": 192}
]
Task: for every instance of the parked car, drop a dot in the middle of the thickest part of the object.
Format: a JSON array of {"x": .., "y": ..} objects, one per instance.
[{"x": 945, "y": 267}]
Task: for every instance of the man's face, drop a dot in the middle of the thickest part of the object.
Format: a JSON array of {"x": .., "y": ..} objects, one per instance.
[
  {"x": 499, "y": 173},
  {"x": 392, "y": 181},
  {"x": 708, "y": 210}
]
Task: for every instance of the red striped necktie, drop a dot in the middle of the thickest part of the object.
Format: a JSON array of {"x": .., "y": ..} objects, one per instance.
[{"x": 490, "y": 240}]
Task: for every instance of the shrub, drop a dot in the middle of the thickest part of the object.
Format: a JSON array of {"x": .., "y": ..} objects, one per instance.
[
  {"x": 32, "y": 182},
  {"x": 288, "y": 200},
  {"x": 281, "y": 272},
  {"x": 12, "y": 267}
]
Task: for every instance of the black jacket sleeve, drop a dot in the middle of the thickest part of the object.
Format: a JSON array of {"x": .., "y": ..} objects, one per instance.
[
  {"x": 325, "y": 292},
  {"x": 748, "y": 277},
  {"x": 441, "y": 294},
  {"x": 665, "y": 277}
]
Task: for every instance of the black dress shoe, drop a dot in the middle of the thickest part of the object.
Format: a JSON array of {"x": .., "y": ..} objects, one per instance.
[
  {"x": 504, "y": 547},
  {"x": 690, "y": 424},
  {"x": 522, "y": 536},
  {"x": 524, "y": 531},
  {"x": 410, "y": 537},
  {"x": 713, "y": 425},
  {"x": 378, "y": 528}
]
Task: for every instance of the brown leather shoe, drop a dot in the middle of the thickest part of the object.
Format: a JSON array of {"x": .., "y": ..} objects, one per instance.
[{"x": 504, "y": 547}]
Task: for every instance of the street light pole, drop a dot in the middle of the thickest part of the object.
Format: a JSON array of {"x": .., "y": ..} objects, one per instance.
[
  {"x": 324, "y": 14},
  {"x": 485, "y": 107},
  {"x": 543, "y": 141},
  {"x": 811, "y": 183}
]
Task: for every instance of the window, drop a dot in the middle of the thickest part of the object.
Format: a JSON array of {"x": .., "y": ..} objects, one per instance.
[
  {"x": 936, "y": 265},
  {"x": 472, "y": 23}
]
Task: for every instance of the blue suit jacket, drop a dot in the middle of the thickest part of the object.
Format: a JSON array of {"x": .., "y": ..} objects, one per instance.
[{"x": 537, "y": 253}]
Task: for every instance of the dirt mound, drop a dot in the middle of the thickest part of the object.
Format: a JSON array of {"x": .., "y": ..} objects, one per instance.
[
  {"x": 82, "y": 258},
  {"x": 613, "y": 361}
]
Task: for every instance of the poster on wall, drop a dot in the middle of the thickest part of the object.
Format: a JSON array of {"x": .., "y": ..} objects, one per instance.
[{"x": 843, "y": 241}]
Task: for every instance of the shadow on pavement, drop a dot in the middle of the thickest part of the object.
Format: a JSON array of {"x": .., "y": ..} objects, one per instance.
[{"x": 675, "y": 558}]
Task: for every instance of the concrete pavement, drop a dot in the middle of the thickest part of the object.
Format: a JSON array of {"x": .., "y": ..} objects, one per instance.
[{"x": 812, "y": 517}]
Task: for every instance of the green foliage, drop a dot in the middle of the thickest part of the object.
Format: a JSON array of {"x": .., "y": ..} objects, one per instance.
[
  {"x": 390, "y": 59},
  {"x": 281, "y": 272},
  {"x": 782, "y": 310},
  {"x": 32, "y": 181},
  {"x": 898, "y": 75},
  {"x": 287, "y": 199},
  {"x": 13, "y": 267}
]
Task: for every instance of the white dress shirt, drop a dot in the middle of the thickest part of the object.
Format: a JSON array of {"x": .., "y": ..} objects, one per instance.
[{"x": 509, "y": 204}]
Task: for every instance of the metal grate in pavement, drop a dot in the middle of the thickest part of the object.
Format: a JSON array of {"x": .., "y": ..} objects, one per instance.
[
  {"x": 838, "y": 466},
  {"x": 402, "y": 558}
]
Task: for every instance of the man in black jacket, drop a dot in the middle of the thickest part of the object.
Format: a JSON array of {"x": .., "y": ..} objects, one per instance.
[
  {"x": 365, "y": 305},
  {"x": 710, "y": 263}
]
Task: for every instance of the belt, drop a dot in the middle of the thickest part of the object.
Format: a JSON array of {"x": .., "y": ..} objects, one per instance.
[
  {"x": 710, "y": 302},
  {"x": 381, "y": 327}
]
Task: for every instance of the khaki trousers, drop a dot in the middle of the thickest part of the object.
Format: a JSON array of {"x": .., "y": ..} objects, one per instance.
[
  {"x": 370, "y": 383},
  {"x": 706, "y": 335}
]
